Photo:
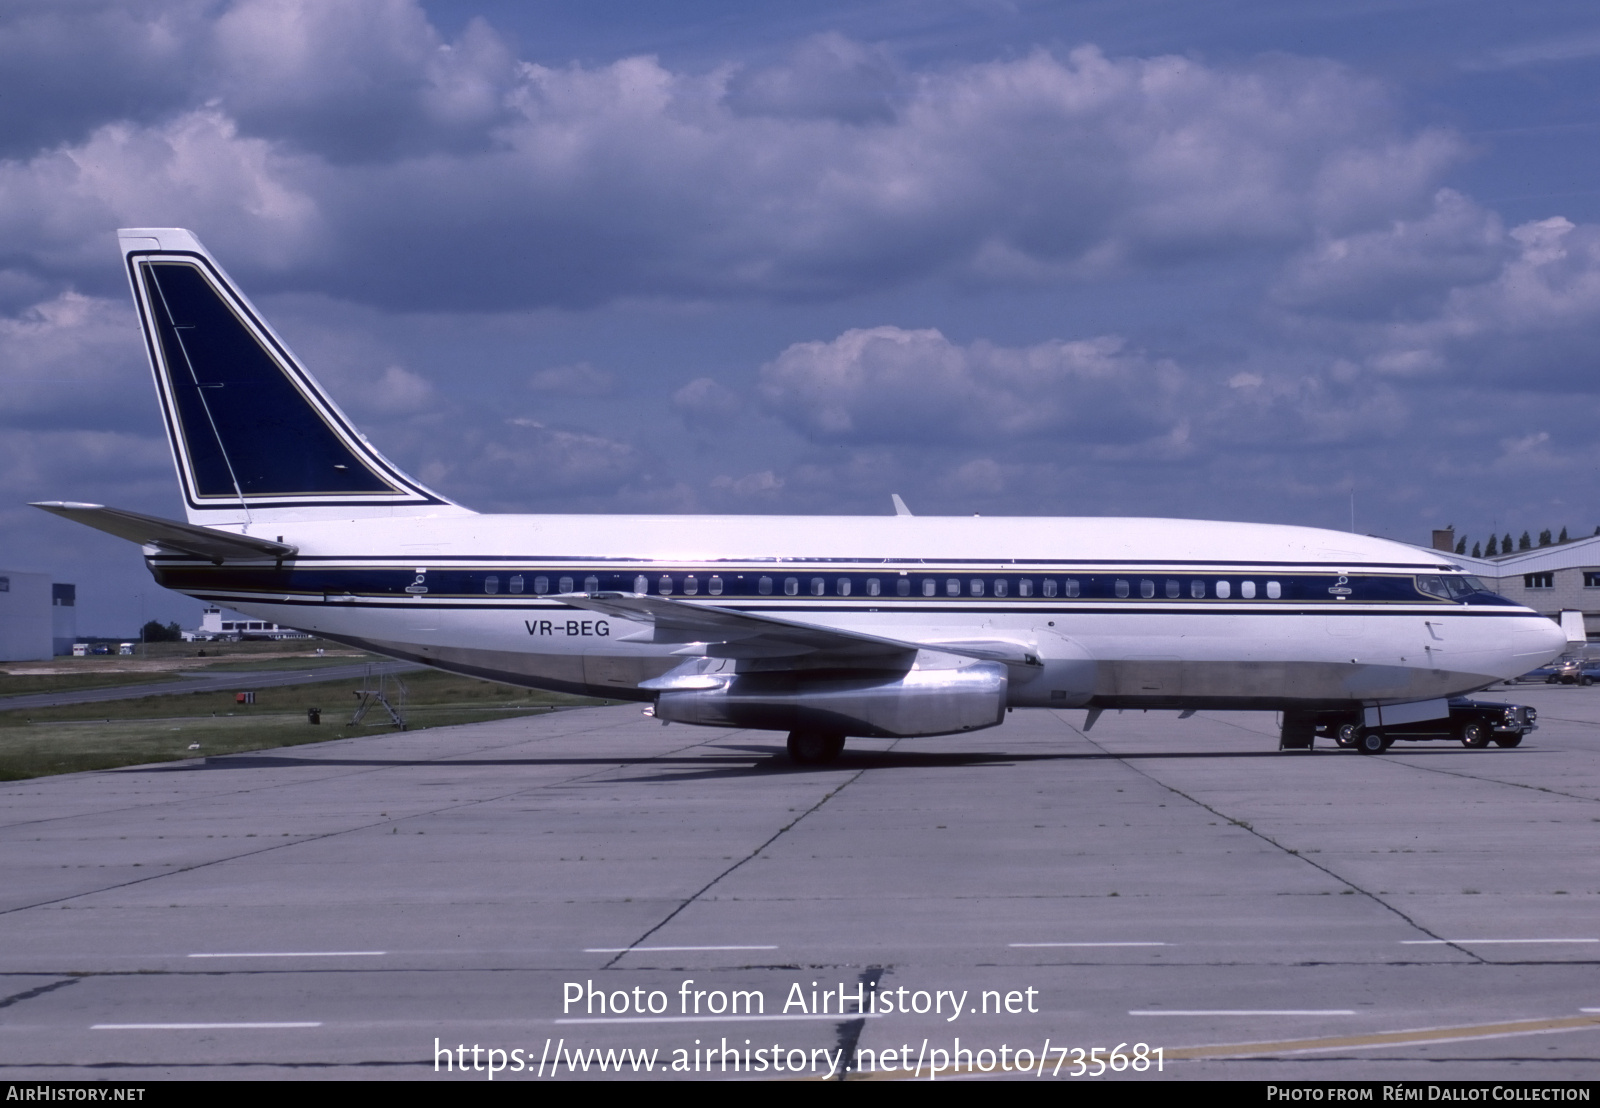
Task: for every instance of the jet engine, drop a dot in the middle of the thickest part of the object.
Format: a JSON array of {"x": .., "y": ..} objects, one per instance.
[{"x": 886, "y": 705}]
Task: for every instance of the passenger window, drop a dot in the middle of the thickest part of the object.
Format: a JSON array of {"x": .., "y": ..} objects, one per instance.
[
  {"x": 566, "y": 585},
  {"x": 691, "y": 585},
  {"x": 1050, "y": 587},
  {"x": 929, "y": 586},
  {"x": 1224, "y": 590},
  {"x": 975, "y": 586},
  {"x": 541, "y": 585},
  {"x": 764, "y": 586},
  {"x": 1000, "y": 586},
  {"x": 818, "y": 586},
  {"x": 1072, "y": 586},
  {"x": 491, "y": 584},
  {"x": 1247, "y": 590},
  {"x": 1122, "y": 588},
  {"x": 952, "y": 587},
  {"x": 902, "y": 587},
  {"x": 665, "y": 585},
  {"x": 873, "y": 588},
  {"x": 591, "y": 584},
  {"x": 714, "y": 586},
  {"x": 1172, "y": 590},
  {"x": 1147, "y": 588},
  {"x": 843, "y": 586},
  {"x": 791, "y": 586},
  {"x": 515, "y": 583},
  {"x": 1274, "y": 590},
  {"x": 1197, "y": 589},
  {"x": 1025, "y": 587},
  {"x": 641, "y": 583}
]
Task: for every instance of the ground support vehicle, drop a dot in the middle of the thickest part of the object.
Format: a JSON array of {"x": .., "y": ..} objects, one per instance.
[{"x": 1472, "y": 723}]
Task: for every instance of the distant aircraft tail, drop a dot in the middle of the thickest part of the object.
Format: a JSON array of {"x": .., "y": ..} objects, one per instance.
[{"x": 254, "y": 437}]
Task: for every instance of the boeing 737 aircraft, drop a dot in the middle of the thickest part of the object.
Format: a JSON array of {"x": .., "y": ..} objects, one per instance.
[{"x": 824, "y": 627}]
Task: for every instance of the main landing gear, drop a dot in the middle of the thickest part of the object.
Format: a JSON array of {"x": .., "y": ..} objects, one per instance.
[
  {"x": 1372, "y": 742},
  {"x": 814, "y": 748}
]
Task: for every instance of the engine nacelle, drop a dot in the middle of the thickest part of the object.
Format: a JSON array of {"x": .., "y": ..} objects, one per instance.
[{"x": 881, "y": 706}]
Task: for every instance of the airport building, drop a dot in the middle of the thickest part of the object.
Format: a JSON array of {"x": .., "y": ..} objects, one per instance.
[
  {"x": 1548, "y": 579},
  {"x": 221, "y": 624},
  {"x": 38, "y": 619}
]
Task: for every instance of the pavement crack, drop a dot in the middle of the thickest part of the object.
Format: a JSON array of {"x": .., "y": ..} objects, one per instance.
[
  {"x": 1248, "y": 828},
  {"x": 709, "y": 885},
  {"x": 849, "y": 1032},
  {"x": 38, "y": 990}
]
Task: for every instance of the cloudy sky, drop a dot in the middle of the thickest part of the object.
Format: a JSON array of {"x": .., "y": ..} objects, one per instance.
[{"x": 1104, "y": 257}]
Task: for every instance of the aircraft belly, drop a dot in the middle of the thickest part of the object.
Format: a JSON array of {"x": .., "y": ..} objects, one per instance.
[{"x": 1104, "y": 659}]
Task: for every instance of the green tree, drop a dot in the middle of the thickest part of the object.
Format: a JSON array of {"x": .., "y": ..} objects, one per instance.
[
  {"x": 1525, "y": 542},
  {"x": 1461, "y": 547},
  {"x": 1505, "y": 544},
  {"x": 1544, "y": 537},
  {"x": 156, "y": 632},
  {"x": 1493, "y": 548},
  {"x": 1563, "y": 536},
  {"x": 1475, "y": 551}
]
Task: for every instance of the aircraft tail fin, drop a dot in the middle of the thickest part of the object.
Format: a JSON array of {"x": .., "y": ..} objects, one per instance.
[
  {"x": 1577, "y": 636},
  {"x": 254, "y": 436}
]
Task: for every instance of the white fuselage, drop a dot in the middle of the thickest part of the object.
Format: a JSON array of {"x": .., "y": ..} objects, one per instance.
[{"x": 1118, "y": 612}]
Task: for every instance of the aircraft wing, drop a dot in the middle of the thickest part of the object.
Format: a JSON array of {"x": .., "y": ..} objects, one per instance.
[
  {"x": 715, "y": 632},
  {"x": 169, "y": 534},
  {"x": 724, "y": 633}
]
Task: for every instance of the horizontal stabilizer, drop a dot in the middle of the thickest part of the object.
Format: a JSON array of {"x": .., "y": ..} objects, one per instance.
[{"x": 169, "y": 534}]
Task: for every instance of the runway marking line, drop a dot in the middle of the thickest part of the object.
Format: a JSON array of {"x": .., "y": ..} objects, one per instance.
[
  {"x": 197, "y": 1026},
  {"x": 1486, "y": 942},
  {"x": 298, "y": 954},
  {"x": 833, "y": 1017},
  {"x": 1242, "y": 1012},
  {"x": 1379, "y": 1039},
  {"x": 1027, "y": 945},
  {"x": 1303, "y": 1046},
  {"x": 664, "y": 949}
]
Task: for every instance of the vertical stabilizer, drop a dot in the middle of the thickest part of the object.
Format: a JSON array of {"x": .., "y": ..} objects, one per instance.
[
  {"x": 1577, "y": 635},
  {"x": 253, "y": 434}
]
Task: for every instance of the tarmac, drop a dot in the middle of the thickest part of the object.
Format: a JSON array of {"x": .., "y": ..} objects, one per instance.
[{"x": 541, "y": 891}]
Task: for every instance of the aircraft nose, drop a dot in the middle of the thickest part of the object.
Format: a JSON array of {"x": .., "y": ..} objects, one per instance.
[{"x": 1537, "y": 641}]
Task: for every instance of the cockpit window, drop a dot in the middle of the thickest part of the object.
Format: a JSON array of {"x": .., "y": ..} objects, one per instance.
[{"x": 1450, "y": 588}]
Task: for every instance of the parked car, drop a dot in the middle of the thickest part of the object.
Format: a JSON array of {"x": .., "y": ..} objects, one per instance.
[
  {"x": 1472, "y": 723},
  {"x": 1543, "y": 673},
  {"x": 1574, "y": 671},
  {"x": 1564, "y": 671}
]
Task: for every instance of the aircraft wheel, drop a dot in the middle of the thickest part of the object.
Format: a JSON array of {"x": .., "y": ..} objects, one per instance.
[
  {"x": 1345, "y": 734},
  {"x": 814, "y": 748},
  {"x": 1508, "y": 740},
  {"x": 1473, "y": 733},
  {"x": 1371, "y": 742}
]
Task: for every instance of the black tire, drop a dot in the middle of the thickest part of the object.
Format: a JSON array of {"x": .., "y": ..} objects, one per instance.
[
  {"x": 1345, "y": 735},
  {"x": 1514, "y": 739},
  {"x": 1586, "y": 681},
  {"x": 814, "y": 748},
  {"x": 1372, "y": 742},
  {"x": 1473, "y": 733}
]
